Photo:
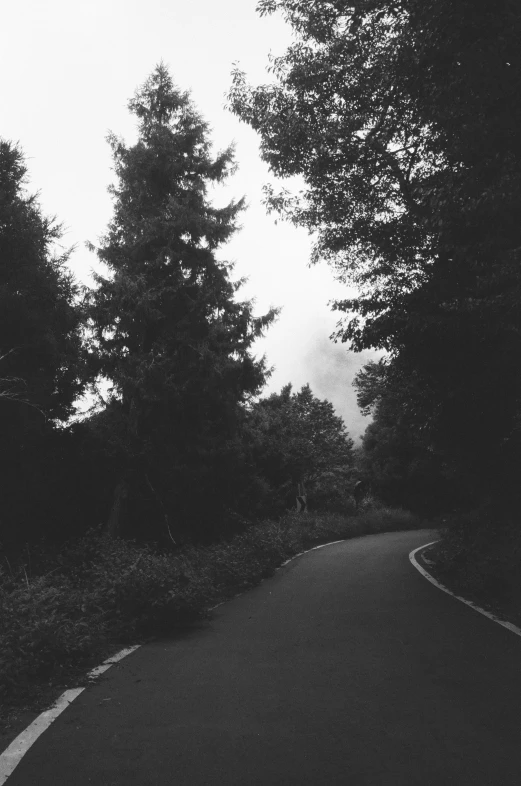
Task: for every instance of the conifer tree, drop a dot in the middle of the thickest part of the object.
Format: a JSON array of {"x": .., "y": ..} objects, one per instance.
[
  {"x": 39, "y": 319},
  {"x": 41, "y": 364},
  {"x": 167, "y": 329}
]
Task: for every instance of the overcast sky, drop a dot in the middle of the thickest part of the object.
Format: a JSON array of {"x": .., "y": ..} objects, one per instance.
[{"x": 67, "y": 71}]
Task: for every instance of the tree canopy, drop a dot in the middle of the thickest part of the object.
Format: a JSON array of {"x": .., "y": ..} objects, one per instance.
[
  {"x": 397, "y": 460},
  {"x": 40, "y": 320},
  {"x": 295, "y": 438},
  {"x": 402, "y": 119},
  {"x": 42, "y": 369}
]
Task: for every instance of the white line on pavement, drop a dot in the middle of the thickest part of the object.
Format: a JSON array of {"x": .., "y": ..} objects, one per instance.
[
  {"x": 12, "y": 755},
  {"x": 412, "y": 556},
  {"x": 332, "y": 543},
  {"x": 110, "y": 661}
]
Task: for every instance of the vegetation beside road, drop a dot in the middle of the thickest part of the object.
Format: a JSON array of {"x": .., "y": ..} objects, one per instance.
[
  {"x": 480, "y": 561},
  {"x": 63, "y": 612}
]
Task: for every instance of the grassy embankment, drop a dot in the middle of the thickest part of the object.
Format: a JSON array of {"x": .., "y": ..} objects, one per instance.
[
  {"x": 479, "y": 557},
  {"x": 72, "y": 609}
]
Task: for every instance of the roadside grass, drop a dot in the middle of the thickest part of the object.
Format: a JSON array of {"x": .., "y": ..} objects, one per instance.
[
  {"x": 75, "y": 607},
  {"x": 479, "y": 558}
]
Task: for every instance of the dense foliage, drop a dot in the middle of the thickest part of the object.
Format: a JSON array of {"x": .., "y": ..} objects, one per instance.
[
  {"x": 402, "y": 118},
  {"x": 39, "y": 322},
  {"x": 41, "y": 357},
  {"x": 397, "y": 462},
  {"x": 295, "y": 438},
  {"x": 181, "y": 448}
]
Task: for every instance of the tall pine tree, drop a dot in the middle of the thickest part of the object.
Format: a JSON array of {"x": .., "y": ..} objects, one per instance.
[{"x": 167, "y": 329}]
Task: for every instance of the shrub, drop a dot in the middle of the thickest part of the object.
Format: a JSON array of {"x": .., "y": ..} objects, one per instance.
[
  {"x": 45, "y": 630},
  {"x": 481, "y": 550},
  {"x": 375, "y": 517}
]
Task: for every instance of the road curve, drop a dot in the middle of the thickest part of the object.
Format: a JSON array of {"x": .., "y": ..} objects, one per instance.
[{"x": 347, "y": 667}]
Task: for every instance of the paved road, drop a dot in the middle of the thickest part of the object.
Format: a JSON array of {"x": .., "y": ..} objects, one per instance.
[{"x": 346, "y": 668}]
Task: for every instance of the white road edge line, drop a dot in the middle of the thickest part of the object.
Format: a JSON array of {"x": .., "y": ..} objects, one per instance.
[
  {"x": 412, "y": 556},
  {"x": 14, "y": 753},
  {"x": 322, "y": 545}
]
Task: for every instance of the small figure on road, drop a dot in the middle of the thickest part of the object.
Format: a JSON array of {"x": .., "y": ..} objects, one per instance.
[
  {"x": 302, "y": 498},
  {"x": 359, "y": 492}
]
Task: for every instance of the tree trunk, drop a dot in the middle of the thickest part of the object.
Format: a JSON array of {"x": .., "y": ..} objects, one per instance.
[
  {"x": 113, "y": 525},
  {"x": 302, "y": 498},
  {"x": 114, "y": 519},
  {"x": 161, "y": 505}
]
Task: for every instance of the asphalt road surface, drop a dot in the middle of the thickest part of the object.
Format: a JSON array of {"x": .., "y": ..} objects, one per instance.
[{"x": 347, "y": 667}]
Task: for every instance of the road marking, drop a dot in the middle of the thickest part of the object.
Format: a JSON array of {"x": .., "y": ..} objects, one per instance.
[
  {"x": 323, "y": 545},
  {"x": 13, "y": 754},
  {"x": 412, "y": 556},
  {"x": 110, "y": 661}
]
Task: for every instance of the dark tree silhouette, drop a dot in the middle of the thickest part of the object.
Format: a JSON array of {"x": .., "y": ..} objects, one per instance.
[
  {"x": 41, "y": 358},
  {"x": 403, "y": 120},
  {"x": 168, "y": 331}
]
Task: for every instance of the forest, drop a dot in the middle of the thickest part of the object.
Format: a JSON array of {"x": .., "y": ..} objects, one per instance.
[{"x": 179, "y": 483}]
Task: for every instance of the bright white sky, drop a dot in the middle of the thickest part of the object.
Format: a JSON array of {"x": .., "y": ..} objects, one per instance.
[{"x": 67, "y": 70}]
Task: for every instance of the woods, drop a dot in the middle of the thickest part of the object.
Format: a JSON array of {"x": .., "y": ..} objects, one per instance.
[
  {"x": 401, "y": 121},
  {"x": 176, "y": 448},
  {"x": 401, "y": 118}
]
